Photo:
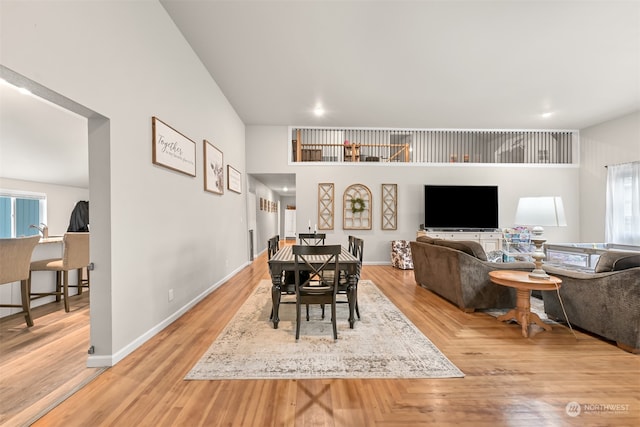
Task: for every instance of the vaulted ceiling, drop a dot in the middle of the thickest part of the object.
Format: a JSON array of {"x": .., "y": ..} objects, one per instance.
[{"x": 418, "y": 64}]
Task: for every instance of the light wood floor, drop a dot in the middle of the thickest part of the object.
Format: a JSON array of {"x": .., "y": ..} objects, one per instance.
[
  {"x": 509, "y": 380},
  {"x": 41, "y": 365}
]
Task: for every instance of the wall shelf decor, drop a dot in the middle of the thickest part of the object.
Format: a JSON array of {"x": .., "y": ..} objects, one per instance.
[
  {"x": 325, "y": 206},
  {"x": 356, "y": 202},
  {"x": 389, "y": 206}
]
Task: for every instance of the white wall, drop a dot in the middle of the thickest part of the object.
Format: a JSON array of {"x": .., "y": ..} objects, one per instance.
[
  {"x": 163, "y": 231},
  {"x": 266, "y": 222},
  {"x": 268, "y": 148},
  {"x": 60, "y": 201},
  {"x": 609, "y": 143}
]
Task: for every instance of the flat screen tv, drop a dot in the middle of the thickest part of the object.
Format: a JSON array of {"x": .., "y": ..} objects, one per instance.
[{"x": 461, "y": 207}]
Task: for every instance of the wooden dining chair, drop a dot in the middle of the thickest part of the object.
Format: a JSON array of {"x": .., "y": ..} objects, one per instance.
[
  {"x": 312, "y": 239},
  {"x": 356, "y": 248},
  {"x": 287, "y": 281},
  {"x": 351, "y": 239},
  {"x": 75, "y": 257},
  {"x": 273, "y": 244},
  {"x": 319, "y": 287},
  {"x": 15, "y": 259}
]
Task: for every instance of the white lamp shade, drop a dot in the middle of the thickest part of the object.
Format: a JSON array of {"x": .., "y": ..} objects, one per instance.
[{"x": 542, "y": 211}]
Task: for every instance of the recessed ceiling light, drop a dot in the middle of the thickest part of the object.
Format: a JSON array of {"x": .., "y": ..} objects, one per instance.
[
  {"x": 547, "y": 114},
  {"x": 318, "y": 111},
  {"x": 285, "y": 189}
]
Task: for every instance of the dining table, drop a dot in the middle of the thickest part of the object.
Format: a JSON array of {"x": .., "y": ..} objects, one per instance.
[{"x": 284, "y": 261}]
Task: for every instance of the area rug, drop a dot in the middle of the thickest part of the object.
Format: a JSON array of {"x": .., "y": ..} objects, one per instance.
[{"x": 383, "y": 344}]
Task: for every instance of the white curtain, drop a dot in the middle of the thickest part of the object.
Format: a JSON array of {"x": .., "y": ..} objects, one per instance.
[{"x": 623, "y": 204}]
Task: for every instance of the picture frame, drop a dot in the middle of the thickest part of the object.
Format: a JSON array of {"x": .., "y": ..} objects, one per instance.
[
  {"x": 171, "y": 149},
  {"x": 213, "y": 169},
  {"x": 389, "y": 215},
  {"x": 356, "y": 203},
  {"x": 234, "y": 180},
  {"x": 326, "y": 206}
]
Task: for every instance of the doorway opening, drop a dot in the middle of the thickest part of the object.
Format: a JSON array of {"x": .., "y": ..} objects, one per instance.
[{"x": 98, "y": 140}]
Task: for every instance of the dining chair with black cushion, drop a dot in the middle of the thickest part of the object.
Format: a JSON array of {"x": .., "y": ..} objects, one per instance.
[
  {"x": 272, "y": 246},
  {"x": 15, "y": 259},
  {"x": 75, "y": 256},
  {"x": 313, "y": 239},
  {"x": 319, "y": 287},
  {"x": 287, "y": 280},
  {"x": 351, "y": 239},
  {"x": 356, "y": 248}
]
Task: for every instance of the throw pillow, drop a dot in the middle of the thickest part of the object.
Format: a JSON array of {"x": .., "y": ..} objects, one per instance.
[
  {"x": 469, "y": 247},
  {"x": 608, "y": 259},
  {"x": 630, "y": 261},
  {"x": 426, "y": 239}
]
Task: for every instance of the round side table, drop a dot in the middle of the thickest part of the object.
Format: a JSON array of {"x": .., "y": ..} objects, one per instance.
[{"x": 524, "y": 284}]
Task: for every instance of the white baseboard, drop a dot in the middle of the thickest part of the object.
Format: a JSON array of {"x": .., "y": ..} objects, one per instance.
[{"x": 100, "y": 361}]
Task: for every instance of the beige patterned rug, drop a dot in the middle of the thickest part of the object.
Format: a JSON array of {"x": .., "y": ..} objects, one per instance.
[{"x": 383, "y": 344}]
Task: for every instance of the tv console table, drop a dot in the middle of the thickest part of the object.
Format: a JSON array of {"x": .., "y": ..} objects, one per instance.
[{"x": 490, "y": 240}]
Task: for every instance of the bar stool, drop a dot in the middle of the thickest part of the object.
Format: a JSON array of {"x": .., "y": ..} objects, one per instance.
[
  {"x": 15, "y": 258},
  {"x": 82, "y": 281},
  {"x": 75, "y": 257}
]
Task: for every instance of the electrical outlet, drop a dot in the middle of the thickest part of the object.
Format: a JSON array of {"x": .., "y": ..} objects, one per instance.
[{"x": 170, "y": 294}]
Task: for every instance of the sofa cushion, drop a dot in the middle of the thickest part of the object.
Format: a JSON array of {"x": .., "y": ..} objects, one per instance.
[
  {"x": 426, "y": 239},
  {"x": 609, "y": 258},
  {"x": 626, "y": 262},
  {"x": 470, "y": 247}
]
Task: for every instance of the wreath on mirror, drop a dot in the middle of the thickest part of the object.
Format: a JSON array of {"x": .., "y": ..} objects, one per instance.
[{"x": 357, "y": 205}]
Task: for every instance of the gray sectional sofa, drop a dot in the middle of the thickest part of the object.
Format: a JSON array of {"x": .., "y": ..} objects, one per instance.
[
  {"x": 605, "y": 302},
  {"x": 459, "y": 272}
]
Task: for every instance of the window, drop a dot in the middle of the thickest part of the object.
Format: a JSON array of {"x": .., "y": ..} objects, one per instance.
[
  {"x": 19, "y": 210},
  {"x": 623, "y": 204}
]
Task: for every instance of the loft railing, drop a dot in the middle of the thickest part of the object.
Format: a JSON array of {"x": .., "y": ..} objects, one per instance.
[{"x": 433, "y": 146}]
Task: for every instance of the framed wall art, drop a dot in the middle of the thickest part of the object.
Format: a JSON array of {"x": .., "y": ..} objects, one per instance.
[
  {"x": 356, "y": 202},
  {"x": 213, "y": 169},
  {"x": 325, "y": 206},
  {"x": 171, "y": 149},
  {"x": 234, "y": 180},
  {"x": 389, "y": 207}
]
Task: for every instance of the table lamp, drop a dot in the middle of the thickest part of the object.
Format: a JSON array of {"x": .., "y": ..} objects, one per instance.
[{"x": 539, "y": 212}]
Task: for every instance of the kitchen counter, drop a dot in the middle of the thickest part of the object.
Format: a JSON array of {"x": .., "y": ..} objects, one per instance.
[{"x": 50, "y": 239}]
